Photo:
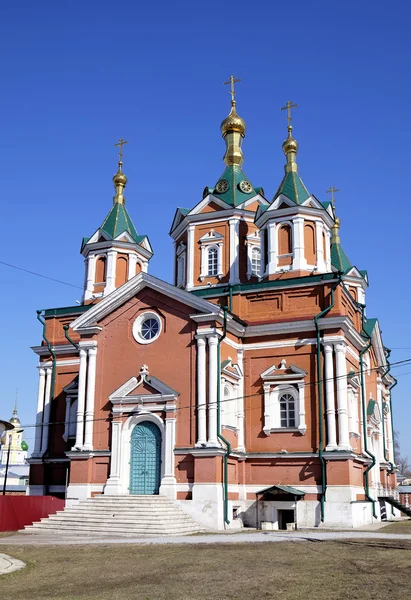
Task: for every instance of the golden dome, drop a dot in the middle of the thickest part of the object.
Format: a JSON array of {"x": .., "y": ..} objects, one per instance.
[
  {"x": 119, "y": 178},
  {"x": 15, "y": 421},
  {"x": 233, "y": 122},
  {"x": 290, "y": 144}
]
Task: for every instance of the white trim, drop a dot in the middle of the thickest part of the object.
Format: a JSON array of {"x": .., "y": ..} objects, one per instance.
[
  {"x": 138, "y": 323},
  {"x": 234, "y": 225}
]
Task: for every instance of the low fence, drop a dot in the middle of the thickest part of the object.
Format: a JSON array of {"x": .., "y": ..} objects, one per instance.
[{"x": 18, "y": 511}]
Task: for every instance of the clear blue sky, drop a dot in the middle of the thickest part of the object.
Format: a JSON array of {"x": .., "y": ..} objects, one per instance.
[{"x": 77, "y": 75}]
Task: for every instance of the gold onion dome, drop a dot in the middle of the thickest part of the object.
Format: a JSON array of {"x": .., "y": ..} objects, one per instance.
[
  {"x": 119, "y": 178},
  {"x": 233, "y": 122},
  {"x": 290, "y": 144}
]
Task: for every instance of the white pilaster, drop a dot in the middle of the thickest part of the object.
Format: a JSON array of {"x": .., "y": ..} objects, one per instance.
[
  {"x": 168, "y": 485},
  {"x": 132, "y": 263},
  {"x": 299, "y": 261},
  {"x": 212, "y": 390},
  {"x": 113, "y": 483},
  {"x": 91, "y": 276},
  {"x": 234, "y": 258},
  {"x": 267, "y": 409},
  {"x": 329, "y": 398},
  {"x": 321, "y": 266},
  {"x": 111, "y": 272},
  {"x": 91, "y": 387},
  {"x": 240, "y": 403},
  {"x": 46, "y": 411},
  {"x": 302, "y": 427},
  {"x": 190, "y": 257},
  {"x": 201, "y": 392},
  {"x": 39, "y": 414},
  {"x": 81, "y": 399},
  {"x": 272, "y": 250},
  {"x": 264, "y": 267},
  {"x": 342, "y": 396}
]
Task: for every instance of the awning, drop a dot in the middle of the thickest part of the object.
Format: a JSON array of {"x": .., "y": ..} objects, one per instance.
[{"x": 280, "y": 490}]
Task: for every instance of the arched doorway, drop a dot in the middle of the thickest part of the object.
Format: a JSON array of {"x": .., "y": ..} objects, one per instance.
[{"x": 145, "y": 459}]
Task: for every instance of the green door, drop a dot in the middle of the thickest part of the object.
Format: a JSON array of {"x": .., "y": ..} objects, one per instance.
[{"x": 145, "y": 459}]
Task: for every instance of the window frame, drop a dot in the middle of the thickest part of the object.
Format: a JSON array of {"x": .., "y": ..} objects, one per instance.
[{"x": 138, "y": 323}]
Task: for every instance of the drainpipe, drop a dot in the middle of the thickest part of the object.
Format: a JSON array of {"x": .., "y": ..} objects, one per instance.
[
  {"x": 320, "y": 399},
  {"x": 68, "y": 338},
  {"x": 364, "y": 420},
  {"x": 53, "y": 371},
  {"x": 219, "y": 435}
]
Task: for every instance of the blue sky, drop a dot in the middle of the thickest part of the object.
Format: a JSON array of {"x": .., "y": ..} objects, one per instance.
[{"x": 79, "y": 75}]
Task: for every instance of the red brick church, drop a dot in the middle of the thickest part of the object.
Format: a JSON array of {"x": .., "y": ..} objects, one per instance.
[{"x": 254, "y": 387}]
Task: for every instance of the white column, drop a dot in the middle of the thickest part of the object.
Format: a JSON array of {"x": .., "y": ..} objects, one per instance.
[
  {"x": 327, "y": 257},
  {"x": 201, "y": 392},
  {"x": 91, "y": 389},
  {"x": 132, "y": 263},
  {"x": 272, "y": 250},
  {"x": 91, "y": 276},
  {"x": 113, "y": 483},
  {"x": 170, "y": 442},
  {"x": 390, "y": 444},
  {"x": 111, "y": 272},
  {"x": 81, "y": 399},
  {"x": 264, "y": 267},
  {"x": 46, "y": 411},
  {"x": 342, "y": 397},
  {"x": 330, "y": 398},
  {"x": 240, "y": 403},
  {"x": 321, "y": 267},
  {"x": 213, "y": 378},
  {"x": 299, "y": 261},
  {"x": 301, "y": 404},
  {"x": 234, "y": 249},
  {"x": 190, "y": 257},
  {"x": 267, "y": 409},
  {"x": 39, "y": 415}
]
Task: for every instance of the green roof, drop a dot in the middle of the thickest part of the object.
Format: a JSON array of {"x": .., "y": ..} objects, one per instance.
[
  {"x": 118, "y": 221},
  {"x": 370, "y": 407},
  {"x": 368, "y": 326},
  {"x": 234, "y": 196},
  {"x": 339, "y": 259},
  {"x": 293, "y": 187},
  {"x": 288, "y": 489}
]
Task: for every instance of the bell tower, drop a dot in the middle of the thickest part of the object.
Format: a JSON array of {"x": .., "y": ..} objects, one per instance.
[{"x": 115, "y": 252}]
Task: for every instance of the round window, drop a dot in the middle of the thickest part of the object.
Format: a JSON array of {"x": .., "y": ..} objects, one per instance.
[{"x": 147, "y": 328}]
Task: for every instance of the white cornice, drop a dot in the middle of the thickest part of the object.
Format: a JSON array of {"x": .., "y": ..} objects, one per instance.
[
  {"x": 295, "y": 209},
  {"x": 221, "y": 216}
]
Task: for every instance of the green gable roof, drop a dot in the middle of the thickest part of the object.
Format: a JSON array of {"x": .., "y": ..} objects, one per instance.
[
  {"x": 234, "y": 196},
  {"x": 118, "y": 221},
  {"x": 339, "y": 259},
  {"x": 368, "y": 326},
  {"x": 293, "y": 187}
]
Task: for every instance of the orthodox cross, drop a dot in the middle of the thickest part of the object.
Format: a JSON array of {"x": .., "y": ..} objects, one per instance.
[
  {"x": 231, "y": 82},
  {"x": 288, "y": 108},
  {"x": 332, "y": 191},
  {"x": 120, "y": 145}
]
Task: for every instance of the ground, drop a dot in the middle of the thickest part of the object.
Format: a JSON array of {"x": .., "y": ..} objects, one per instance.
[{"x": 369, "y": 569}]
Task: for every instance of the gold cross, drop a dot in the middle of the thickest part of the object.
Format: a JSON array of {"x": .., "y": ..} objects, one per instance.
[
  {"x": 332, "y": 191},
  {"x": 231, "y": 82},
  {"x": 288, "y": 107},
  {"x": 120, "y": 145}
]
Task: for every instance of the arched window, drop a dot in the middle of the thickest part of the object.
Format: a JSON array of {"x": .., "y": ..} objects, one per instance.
[
  {"x": 255, "y": 261},
  {"x": 212, "y": 261},
  {"x": 310, "y": 245},
  {"x": 285, "y": 242},
  {"x": 287, "y": 410},
  {"x": 229, "y": 407},
  {"x": 121, "y": 270},
  {"x": 181, "y": 269},
  {"x": 101, "y": 269}
]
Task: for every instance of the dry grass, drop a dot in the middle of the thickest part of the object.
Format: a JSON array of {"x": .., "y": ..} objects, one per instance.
[
  {"x": 398, "y": 527},
  {"x": 365, "y": 570}
]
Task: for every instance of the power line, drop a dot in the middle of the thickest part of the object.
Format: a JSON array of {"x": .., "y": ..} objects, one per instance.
[
  {"x": 196, "y": 406},
  {"x": 40, "y": 275}
]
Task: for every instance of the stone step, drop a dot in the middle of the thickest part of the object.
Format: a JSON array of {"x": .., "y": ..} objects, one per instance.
[
  {"x": 137, "y": 531},
  {"x": 120, "y": 519},
  {"x": 109, "y": 507}
]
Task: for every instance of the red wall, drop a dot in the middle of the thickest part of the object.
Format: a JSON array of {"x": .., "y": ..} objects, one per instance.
[{"x": 18, "y": 511}]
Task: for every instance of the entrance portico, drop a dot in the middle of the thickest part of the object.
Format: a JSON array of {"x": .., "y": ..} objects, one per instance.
[{"x": 152, "y": 411}]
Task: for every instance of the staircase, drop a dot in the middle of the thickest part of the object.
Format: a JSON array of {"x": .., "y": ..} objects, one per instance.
[
  {"x": 392, "y": 497},
  {"x": 119, "y": 515}
]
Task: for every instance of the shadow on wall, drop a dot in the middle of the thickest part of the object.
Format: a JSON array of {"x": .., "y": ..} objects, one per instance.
[{"x": 303, "y": 514}]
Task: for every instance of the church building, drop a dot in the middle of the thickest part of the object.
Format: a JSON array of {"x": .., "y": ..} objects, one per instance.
[{"x": 253, "y": 388}]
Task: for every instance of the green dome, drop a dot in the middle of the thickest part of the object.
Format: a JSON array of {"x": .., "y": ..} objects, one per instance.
[{"x": 24, "y": 445}]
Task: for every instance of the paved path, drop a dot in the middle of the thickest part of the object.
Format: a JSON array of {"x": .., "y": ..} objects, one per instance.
[
  {"x": 23, "y": 539},
  {"x": 9, "y": 564}
]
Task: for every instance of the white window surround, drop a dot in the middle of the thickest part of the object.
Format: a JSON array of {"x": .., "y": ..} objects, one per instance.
[
  {"x": 70, "y": 424},
  {"x": 211, "y": 240},
  {"x": 253, "y": 242},
  {"x": 278, "y": 381},
  {"x": 138, "y": 324},
  {"x": 353, "y": 407}
]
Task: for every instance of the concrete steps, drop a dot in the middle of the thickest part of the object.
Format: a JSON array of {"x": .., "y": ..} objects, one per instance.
[{"x": 119, "y": 515}]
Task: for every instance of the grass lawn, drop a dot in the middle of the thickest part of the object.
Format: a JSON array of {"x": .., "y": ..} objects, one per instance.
[
  {"x": 397, "y": 527},
  {"x": 368, "y": 569}
]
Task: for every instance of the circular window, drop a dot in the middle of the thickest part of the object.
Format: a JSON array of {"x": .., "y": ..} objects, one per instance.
[
  {"x": 245, "y": 187},
  {"x": 147, "y": 328},
  {"x": 222, "y": 186}
]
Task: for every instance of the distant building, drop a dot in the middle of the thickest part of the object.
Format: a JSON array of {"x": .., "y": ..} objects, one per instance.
[{"x": 18, "y": 470}]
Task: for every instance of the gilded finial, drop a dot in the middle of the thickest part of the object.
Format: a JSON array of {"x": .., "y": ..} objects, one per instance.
[
  {"x": 233, "y": 129},
  {"x": 335, "y": 229},
  {"x": 290, "y": 145},
  {"x": 119, "y": 178}
]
